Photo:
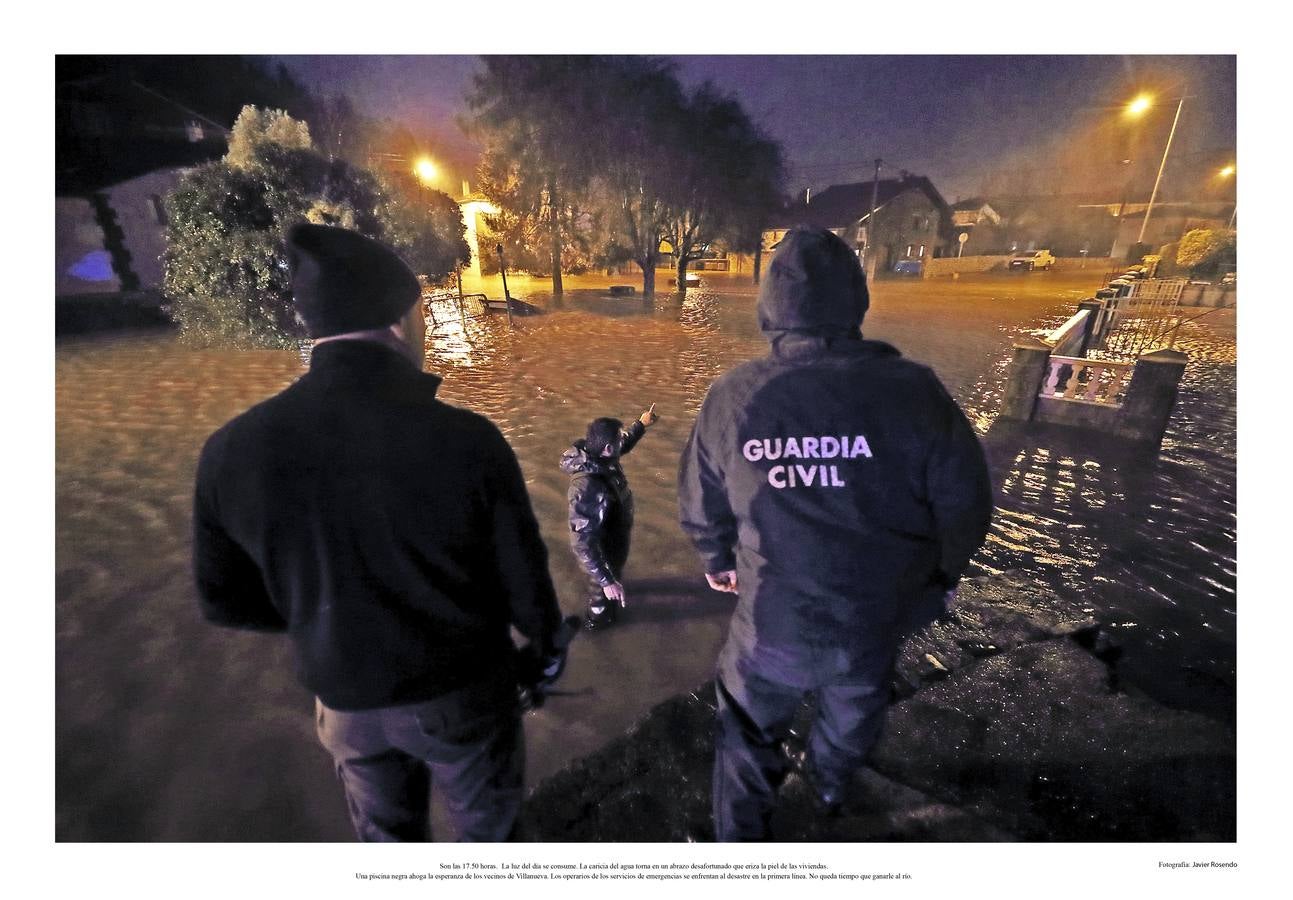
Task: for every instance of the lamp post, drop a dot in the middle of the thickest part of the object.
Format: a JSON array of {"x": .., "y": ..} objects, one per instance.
[
  {"x": 1229, "y": 172},
  {"x": 426, "y": 172},
  {"x": 1139, "y": 105}
]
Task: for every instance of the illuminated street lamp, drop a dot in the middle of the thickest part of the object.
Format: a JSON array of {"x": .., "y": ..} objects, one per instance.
[
  {"x": 1229, "y": 172},
  {"x": 425, "y": 170},
  {"x": 1137, "y": 108}
]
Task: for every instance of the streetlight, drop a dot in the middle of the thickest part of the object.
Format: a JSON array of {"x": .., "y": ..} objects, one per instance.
[
  {"x": 1229, "y": 172},
  {"x": 1138, "y": 107},
  {"x": 425, "y": 170}
]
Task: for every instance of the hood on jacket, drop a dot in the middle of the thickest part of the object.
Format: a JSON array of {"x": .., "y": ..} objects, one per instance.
[
  {"x": 814, "y": 283},
  {"x": 576, "y": 460}
]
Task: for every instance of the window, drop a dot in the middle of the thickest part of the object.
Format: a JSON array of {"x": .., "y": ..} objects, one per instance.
[
  {"x": 909, "y": 251},
  {"x": 922, "y": 250}
]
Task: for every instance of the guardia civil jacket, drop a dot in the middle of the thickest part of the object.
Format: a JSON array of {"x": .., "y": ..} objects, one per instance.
[
  {"x": 388, "y": 533},
  {"x": 839, "y": 480}
]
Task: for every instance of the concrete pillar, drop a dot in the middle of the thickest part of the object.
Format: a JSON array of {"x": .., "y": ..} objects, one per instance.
[
  {"x": 1024, "y": 379},
  {"x": 1151, "y": 395}
]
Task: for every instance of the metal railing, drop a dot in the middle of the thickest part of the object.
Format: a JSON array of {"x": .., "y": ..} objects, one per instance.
[{"x": 1143, "y": 320}]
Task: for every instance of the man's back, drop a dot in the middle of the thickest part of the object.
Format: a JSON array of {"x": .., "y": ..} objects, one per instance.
[
  {"x": 384, "y": 524},
  {"x": 836, "y": 459}
]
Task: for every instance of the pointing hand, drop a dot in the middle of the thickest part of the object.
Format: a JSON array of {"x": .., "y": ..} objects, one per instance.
[{"x": 649, "y": 417}]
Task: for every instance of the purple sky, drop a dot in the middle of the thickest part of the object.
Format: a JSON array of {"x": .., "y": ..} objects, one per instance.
[{"x": 957, "y": 119}]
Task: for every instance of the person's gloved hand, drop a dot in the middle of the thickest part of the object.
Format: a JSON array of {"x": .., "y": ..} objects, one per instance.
[{"x": 540, "y": 670}]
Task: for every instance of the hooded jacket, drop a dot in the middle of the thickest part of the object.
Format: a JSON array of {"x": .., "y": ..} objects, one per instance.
[
  {"x": 601, "y": 507},
  {"x": 840, "y": 481},
  {"x": 388, "y": 533}
]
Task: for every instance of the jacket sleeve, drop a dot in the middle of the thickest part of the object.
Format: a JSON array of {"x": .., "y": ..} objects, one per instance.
[
  {"x": 631, "y": 435},
  {"x": 704, "y": 511},
  {"x": 589, "y": 503},
  {"x": 959, "y": 491},
  {"x": 520, "y": 556},
  {"x": 231, "y": 589}
]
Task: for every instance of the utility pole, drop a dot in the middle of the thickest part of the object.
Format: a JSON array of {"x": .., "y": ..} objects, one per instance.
[{"x": 870, "y": 226}]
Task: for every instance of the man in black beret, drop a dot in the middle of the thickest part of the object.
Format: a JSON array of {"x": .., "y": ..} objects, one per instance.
[
  {"x": 391, "y": 536},
  {"x": 839, "y": 490}
]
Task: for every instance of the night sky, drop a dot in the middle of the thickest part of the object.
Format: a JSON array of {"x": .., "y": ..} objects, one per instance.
[{"x": 962, "y": 120}]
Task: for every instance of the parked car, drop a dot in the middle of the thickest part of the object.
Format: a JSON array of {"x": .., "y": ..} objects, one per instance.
[
  {"x": 1228, "y": 278},
  {"x": 1136, "y": 272},
  {"x": 907, "y": 267},
  {"x": 1038, "y": 259}
]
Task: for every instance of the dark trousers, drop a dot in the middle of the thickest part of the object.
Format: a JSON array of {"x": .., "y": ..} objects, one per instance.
[
  {"x": 468, "y": 744},
  {"x": 754, "y": 718}
]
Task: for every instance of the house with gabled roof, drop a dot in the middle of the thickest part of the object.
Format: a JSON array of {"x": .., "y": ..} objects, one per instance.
[{"x": 912, "y": 221}]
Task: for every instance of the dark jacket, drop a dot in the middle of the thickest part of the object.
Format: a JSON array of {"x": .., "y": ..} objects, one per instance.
[
  {"x": 840, "y": 481},
  {"x": 601, "y": 507},
  {"x": 389, "y": 534}
]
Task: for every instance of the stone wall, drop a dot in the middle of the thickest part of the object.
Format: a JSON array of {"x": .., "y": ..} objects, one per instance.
[
  {"x": 1208, "y": 295},
  {"x": 951, "y": 265}
]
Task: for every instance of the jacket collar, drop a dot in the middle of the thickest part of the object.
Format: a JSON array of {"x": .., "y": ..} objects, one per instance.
[
  {"x": 363, "y": 356},
  {"x": 803, "y": 346}
]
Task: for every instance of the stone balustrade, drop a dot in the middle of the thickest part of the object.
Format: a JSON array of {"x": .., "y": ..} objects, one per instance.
[{"x": 1085, "y": 380}]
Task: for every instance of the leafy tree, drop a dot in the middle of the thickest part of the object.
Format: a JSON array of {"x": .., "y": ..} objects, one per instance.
[
  {"x": 226, "y": 268},
  {"x": 725, "y": 178},
  {"x": 641, "y": 118},
  {"x": 533, "y": 115},
  {"x": 1202, "y": 247}
]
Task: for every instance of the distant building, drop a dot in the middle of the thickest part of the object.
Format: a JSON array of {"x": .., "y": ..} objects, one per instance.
[
  {"x": 1167, "y": 222},
  {"x": 982, "y": 225},
  {"x": 912, "y": 221},
  {"x": 120, "y": 148}
]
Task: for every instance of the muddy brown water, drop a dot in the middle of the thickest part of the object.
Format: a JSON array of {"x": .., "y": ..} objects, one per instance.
[{"x": 169, "y": 729}]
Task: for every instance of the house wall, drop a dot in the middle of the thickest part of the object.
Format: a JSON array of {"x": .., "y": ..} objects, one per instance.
[
  {"x": 137, "y": 204},
  {"x": 910, "y": 220},
  {"x": 82, "y": 263},
  {"x": 89, "y": 261}
]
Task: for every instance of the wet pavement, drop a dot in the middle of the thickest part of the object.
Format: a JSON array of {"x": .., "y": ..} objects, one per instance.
[{"x": 169, "y": 729}]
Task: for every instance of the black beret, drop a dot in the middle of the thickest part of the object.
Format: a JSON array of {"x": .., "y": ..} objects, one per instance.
[{"x": 343, "y": 281}]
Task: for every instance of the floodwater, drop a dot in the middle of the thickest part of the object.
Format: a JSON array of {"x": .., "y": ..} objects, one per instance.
[{"x": 170, "y": 729}]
